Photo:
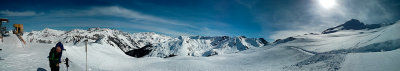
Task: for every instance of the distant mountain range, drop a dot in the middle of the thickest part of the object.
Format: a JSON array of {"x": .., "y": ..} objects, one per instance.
[{"x": 149, "y": 43}]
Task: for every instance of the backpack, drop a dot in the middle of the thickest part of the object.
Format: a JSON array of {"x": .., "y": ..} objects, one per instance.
[{"x": 53, "y": 55}]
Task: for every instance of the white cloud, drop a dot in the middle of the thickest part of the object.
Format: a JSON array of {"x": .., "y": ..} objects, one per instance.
[
  {"x": 120, "y": 17},
  {"x": 145, "y": 18},
  {"x": 131, "y": 19},
  {"x": 117, "y": 11},
  {"x": 126, "y": 13},
  {"x": 15, "y": 13}
]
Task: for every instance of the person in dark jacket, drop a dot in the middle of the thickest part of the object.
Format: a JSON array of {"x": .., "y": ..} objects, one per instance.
[{"x": 55, "y": 56}]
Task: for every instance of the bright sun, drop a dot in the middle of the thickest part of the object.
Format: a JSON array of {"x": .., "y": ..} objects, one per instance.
[{"x": 327, "y": 4}]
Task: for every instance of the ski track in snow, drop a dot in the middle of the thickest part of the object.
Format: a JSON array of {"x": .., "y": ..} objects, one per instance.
[{"x": 332, "y": 60}]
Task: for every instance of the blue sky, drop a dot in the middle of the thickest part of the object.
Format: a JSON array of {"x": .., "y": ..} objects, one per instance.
[{"x": 270, "y": 19}]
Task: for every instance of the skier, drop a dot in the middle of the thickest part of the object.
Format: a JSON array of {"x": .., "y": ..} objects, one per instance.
[{"x": 55, "y": 56}]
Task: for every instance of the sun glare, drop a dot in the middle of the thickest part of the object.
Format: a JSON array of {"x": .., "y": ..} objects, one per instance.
[{"x": 327, "y": 4}]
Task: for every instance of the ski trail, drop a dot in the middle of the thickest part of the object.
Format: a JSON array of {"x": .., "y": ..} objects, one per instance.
[
  {"x": 332, "y": 60},
  {"x": 318, "y": 61},
  {"x": 304, "y": 51}
]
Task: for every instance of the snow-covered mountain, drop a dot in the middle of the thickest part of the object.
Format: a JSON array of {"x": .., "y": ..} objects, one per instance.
[
  {"x": 149, "y": 43},
  {"x": 353, "y": 24}
]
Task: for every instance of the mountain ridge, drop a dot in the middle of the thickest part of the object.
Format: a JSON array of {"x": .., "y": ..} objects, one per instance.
[
  {"x": 159, "y": 45},
  {"x": 353, "y": 24}
]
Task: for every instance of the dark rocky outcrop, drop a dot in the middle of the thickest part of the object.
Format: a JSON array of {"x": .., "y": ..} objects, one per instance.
[
  {"x": 141, "y": 51},
  {"x": 263, "y": 41},
  {"x": 352, "y": 24},
  {"x": 278, "y": 41}
]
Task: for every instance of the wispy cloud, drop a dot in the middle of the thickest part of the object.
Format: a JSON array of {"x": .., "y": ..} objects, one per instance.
[
  {"x": 119, "y": 17},
  {"x": 247, "y": 3},
  {"x": 134, "y": 15},
  {"x": 153, "y": 23},
  {"x": 16, "y": 13},
  {"x": 117, "y": 11}
]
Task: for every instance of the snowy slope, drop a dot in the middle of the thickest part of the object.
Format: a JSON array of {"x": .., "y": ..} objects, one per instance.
[
  {"x": 106, "y": 57},
  {"x": 345, "y": 39},
  {"x": 15, "y": 56},
  {"x": 345, "y": 49}
]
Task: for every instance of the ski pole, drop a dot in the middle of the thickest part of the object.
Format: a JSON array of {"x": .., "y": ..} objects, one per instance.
[
  {"x": 86, "y": 53},
  {"x": 66, "y": 62},
  {"x": 66, "y": 59}
]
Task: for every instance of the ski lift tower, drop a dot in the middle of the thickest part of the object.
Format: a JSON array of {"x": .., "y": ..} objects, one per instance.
[{"x": 3, "y": 28}]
